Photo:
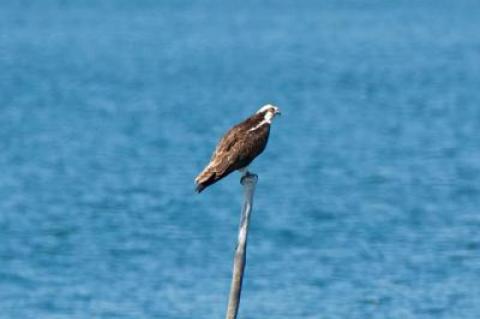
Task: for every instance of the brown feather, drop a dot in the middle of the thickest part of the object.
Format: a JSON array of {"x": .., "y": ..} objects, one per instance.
[{"x": 236, "y": 150}]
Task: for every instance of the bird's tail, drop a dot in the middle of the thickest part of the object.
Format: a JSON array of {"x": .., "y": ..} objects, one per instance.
[
  {"x": 200, "y": 188},
  {"x": 204, "y": 179}
]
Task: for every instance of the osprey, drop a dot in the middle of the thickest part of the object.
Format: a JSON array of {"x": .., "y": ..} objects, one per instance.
[{"x": 238, "y": 147}]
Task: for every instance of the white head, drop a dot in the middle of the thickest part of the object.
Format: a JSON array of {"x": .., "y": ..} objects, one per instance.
[{"x": 270, "y": 111}]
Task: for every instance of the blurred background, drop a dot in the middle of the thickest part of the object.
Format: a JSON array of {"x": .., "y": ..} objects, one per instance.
[{"x": 368, "y": 202}]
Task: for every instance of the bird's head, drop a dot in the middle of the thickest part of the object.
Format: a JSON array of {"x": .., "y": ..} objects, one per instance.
[{"x": 269, "y": 112}]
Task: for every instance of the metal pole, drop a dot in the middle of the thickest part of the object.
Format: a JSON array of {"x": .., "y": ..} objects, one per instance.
[{"x": 249, "y": 182}]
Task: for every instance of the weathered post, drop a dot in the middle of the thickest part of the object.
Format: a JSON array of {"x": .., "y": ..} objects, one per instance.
[{"x": 249, "y": 181}]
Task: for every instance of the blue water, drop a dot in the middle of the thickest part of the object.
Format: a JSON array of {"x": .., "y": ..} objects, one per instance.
[{"x": 368, "y": 202}]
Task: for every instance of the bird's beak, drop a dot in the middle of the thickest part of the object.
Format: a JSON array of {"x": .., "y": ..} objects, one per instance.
[{"x": 277, "y": 112}]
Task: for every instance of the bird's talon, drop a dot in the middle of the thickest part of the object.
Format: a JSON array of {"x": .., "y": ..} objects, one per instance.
[{"x": 247, "y": 176}]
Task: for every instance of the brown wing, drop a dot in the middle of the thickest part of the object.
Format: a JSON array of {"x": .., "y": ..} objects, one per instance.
[{"x": 235, "y": 150}]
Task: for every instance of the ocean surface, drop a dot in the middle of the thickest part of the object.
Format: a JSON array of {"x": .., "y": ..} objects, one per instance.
[{"x": 368, "y": 201}]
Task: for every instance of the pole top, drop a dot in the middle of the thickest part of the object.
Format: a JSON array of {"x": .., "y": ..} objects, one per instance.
[{"x": 249, "y": 179}]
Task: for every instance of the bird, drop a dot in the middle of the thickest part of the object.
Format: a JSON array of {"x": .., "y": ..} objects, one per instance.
[{"x": 238, "y": 147}]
